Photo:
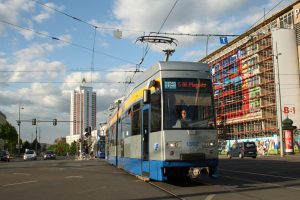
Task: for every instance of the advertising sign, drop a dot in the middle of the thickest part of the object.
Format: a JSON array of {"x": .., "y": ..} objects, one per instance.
[{"x": 288, "y": 138}]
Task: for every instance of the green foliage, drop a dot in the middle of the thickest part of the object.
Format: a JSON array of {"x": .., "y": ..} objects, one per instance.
[
  {"x": 25, "y": 145},
  {"x": 73, "y": 148},
  {"x": 60, "y": 149},
  {"x": 10, "y": 136},
  {"x": 35, "y": 145}
]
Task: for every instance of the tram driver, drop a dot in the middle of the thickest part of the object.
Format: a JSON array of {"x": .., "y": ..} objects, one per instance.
[{"x": 183, "y": 122}]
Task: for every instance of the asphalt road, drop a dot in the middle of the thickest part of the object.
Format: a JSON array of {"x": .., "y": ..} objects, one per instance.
[{"x": 262, "y": 178}]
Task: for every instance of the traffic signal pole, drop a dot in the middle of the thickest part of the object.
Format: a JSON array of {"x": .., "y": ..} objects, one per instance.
[{"x": 36, "y": 141}]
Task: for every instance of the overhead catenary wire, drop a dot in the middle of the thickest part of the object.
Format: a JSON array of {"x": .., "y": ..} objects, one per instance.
[
  {"x": 263, "y": 17},
  {"x": 60, "y": 82},
  {"x": 64, "y": 13},
  {"x": 148, "y": 47},
  {"x": 65, "y": 41},
  {"x": 69, "y": 70},
  {"x": 160, "y": 28},
  {"x": 83, "y": 21}
]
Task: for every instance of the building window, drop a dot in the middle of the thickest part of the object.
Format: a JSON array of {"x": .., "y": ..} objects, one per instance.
[{"x": 286, "y": 20}]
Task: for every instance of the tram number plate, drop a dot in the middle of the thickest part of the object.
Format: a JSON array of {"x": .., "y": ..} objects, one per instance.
[{"x": 192, "y": 144}]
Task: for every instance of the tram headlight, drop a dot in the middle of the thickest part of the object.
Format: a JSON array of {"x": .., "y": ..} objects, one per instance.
[
  {"x": 209, "y": 144},
  {"x": 173, "y": 144}
]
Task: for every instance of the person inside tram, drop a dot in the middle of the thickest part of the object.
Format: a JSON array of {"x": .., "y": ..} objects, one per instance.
[{"x": 183, "y": 122}]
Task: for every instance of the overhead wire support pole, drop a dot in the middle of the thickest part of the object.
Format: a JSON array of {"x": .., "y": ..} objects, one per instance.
[
  {"x": 279, "y": 101},
  {"x": 19, "y": 124},
  {"x": 93, "y": 54},
  {"x": 206, "y": 49},
  {"x": 36, "y": 141}
]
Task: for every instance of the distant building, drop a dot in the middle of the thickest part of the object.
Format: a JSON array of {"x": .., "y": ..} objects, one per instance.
[{"x": 83, "y": 111}]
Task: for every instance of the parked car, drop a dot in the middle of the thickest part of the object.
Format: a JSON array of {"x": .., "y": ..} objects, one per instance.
[
  {"x": 243, "y": 149},
  {"x": 4, "y": 156},
  {"x": 30, "y": 155},
  {"x": 49, "y": 155}
]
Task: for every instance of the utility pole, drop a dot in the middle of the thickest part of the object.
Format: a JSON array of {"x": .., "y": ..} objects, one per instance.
[
  {"x": 19, "y": 124},
  {"x": 117, "y": 132},
  {"x": 36, "y": 138},
  {"x": 279, "y": 101}
]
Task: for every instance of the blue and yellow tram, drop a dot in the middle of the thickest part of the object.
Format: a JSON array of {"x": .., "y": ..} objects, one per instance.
[{"x": 148, "y": 134}]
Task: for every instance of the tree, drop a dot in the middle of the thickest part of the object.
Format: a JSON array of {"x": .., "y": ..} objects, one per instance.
[
  {"x": 35, "y": 144},
  {"x": 73, "y": 148},
  {"x": 10, "y": 136},
  {"x": 25, "y": 145},
  {"x": 60, "y": 149}
]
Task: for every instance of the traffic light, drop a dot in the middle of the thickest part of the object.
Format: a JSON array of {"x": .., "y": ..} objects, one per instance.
[
  {"x": 88, "y": 131},
  {"x": 33, "y": 121},
  {"x": 54, "y": 122}
]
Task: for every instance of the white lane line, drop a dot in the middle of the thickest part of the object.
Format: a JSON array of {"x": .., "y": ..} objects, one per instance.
[
  {"x": 253, "y": 173},
  {"x": 74, "y": 177},
  {"x": 293, "y": 188},
  {"x": 260, "y": 182},
  {"x": 26, "y": 174},
  {"x": 20, "y": 183},
  {"x": 210, "y": 197}
]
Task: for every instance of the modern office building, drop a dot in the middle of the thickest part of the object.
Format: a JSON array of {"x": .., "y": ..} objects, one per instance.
[
  {"x": 256, "y": 78},
  {"x": 83, "y": 110}
]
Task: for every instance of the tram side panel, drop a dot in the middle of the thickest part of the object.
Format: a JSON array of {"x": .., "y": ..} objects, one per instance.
[{"x": 132, "y": 156}]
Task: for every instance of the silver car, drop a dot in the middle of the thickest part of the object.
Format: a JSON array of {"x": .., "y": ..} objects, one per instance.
[{"x": 30, "y": 155}]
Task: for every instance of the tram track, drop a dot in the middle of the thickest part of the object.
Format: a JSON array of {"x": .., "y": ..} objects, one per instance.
[{"x": 165, "y": 190}]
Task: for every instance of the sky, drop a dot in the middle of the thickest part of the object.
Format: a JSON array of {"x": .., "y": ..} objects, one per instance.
[{"x": 48, "y": 47}]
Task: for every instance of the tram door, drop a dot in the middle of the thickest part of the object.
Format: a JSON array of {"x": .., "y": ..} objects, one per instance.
[{"x": 145, "y": 141}]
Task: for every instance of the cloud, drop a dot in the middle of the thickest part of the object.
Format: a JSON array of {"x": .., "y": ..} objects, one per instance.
[
  {"x": 10, "y": 11},
  {"x": 193, "y": 55},
  {"x": 28, "y": 35},
  {"x": 45, "y": 13},
  {"x": 41, "y": 50},
  {"x": 189, "y": 17}
]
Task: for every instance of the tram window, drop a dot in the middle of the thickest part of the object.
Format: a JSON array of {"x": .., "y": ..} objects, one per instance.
[
  {"x": 155, "y": 112},
  {"x": 112, "y": 134},
  {"x": 199, "y": 110},
  {"x": 126, "y": 125},
  {"x": 136, "y": 120}
]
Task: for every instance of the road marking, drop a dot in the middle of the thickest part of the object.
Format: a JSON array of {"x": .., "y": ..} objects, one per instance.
[
  {"x": 210, "y": 197},
  {"x": 294, "y": 188},
  {"x": 26, "y": 174},
  {"x": 261, "y": 182},
  {"x": 74, "y": 177},
  {"x": 20, "y": 183},
  {"x": 253, "y": 173}
]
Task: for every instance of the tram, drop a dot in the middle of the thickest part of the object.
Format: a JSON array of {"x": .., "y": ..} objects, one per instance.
[
  {"x": 144, "y": 137},
  {"x": 100, "y": 147}
]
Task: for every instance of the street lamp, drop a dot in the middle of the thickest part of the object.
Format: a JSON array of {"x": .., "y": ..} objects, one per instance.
[{"x": 19, "y": 124}]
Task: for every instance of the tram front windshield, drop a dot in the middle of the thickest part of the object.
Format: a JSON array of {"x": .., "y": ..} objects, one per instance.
[{"x": 188, "y": 104}]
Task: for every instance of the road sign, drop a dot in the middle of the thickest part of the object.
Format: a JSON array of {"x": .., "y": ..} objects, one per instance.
[{"x": 223, "y": 40}]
